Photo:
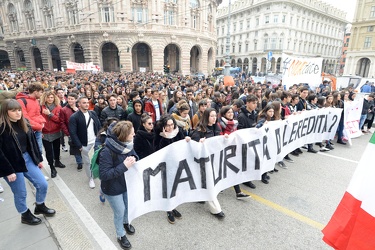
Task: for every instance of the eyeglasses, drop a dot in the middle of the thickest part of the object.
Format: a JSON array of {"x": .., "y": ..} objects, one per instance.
[
  {"x": 150, "y": 123},
  {"x": 189, "y": 94}
]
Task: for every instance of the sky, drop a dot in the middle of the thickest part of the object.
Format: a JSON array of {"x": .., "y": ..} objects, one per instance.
[{"x": 346, "y": 5}]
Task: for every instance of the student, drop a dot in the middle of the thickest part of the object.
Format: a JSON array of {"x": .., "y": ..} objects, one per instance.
[
  {"x": 135, "y": 116},
  {"x": 247, "y": 119},
  {"x": 21, "y": 158},
  {"x": 115, "y": 159},
  {"x": 208, "y": 128},
  {"x": 228, "y": 125}
]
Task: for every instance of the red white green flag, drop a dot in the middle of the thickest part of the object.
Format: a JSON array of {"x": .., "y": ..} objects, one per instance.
[{"x": 352, "y": 226}]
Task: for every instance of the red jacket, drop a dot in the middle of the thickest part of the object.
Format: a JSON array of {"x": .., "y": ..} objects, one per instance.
[
  {"x": 52, "y": 124},
  {"x": 65, "y": 113},
  {"x": 31, "y": 111},
  {"x": 150, "y": 108}
]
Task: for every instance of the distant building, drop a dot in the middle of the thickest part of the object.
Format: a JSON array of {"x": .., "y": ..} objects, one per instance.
[
  {"x": 360, "y": 56},
  {"x": 127, "y": 35},
  {"x": 344, "y": 50},
  {"x": 305, "y": 28}
]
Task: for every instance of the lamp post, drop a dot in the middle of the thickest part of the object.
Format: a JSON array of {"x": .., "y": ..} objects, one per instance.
[{"x": 227, "y": 46}]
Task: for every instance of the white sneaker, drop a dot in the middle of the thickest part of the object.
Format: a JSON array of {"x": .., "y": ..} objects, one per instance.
[
  {"x": 65, "y": 149},
  {"x": 1, "y": 189},
  {"x": 324, "y": 149},
  {"x": 91, "y": 183},
  {"x": 46, "y": 177}
]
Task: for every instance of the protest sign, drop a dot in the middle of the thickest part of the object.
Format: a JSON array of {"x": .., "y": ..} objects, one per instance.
[
  {"x": 191, "y": 171},
  {"x": 352, "y": 115}
]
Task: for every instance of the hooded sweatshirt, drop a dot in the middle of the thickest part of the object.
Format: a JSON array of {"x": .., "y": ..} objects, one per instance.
[{"x": 136, "y": 118}]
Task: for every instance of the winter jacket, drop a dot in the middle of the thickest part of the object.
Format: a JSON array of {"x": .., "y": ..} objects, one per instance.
[
  {"x": 150, "y": 108},
  {"x": 65, "y": 113},
  {"x": 117, "y": 112},
  {"x": 196, "y": 135},
  {"x": 31, "y": 111},
  {"x": 144, "y": 143},
  {"x": 161, "y": 142},
  {"x": 11, "y": 157},
  {"x": 53, "y": 124},
  {"x": 135, "y": 118},
  {"x": 78, "y": 130},
  {"x": 247, "y": 119}
]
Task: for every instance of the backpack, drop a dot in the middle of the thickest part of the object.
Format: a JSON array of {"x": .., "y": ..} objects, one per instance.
[{"x": 94, "y": 166}]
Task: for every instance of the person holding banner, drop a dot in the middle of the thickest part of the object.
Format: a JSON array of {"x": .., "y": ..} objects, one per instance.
[
  {"x": 227, "y": 125},
  {"x": 166, "y": 133},
  {"x": 207, "y": 128},
  {"x": 115, "y": 159}
]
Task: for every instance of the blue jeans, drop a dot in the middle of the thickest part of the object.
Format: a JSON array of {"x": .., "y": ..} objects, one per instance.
[
  {"x": 119, "y": 205},
  {"x": 38, "y": 135},
  {"x": 78, "y": 159},
  {"x": 362, "y": 121},
  {"x": 18, "y": 187}
]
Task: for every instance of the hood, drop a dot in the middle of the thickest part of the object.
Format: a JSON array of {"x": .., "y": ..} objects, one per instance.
[
  {"x": 23, "y": 95},
  {"x": 138, "y": 101}
]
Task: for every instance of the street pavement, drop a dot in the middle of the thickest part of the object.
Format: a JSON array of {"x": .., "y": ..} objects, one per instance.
[{"x": 288, "y": 213}]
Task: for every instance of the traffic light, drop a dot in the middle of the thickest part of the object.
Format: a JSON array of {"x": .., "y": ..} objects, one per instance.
[
  {"x": 165, "y": 69},
  {"x": 168, "y": 69}
]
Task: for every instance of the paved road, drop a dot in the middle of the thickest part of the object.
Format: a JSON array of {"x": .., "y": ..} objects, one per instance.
[{"x": 289, "y": 213}]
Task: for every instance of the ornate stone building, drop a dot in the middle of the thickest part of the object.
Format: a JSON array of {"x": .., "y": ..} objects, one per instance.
[
  {"x": 360, "y": 55},
  {"x": 306, "y": 28},
  {"x": 118, "y": 35}
]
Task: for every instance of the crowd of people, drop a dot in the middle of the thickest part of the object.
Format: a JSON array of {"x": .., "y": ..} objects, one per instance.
[{"x": 132, "y": 116}]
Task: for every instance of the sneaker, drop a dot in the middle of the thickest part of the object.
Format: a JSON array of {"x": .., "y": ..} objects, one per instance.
[
  {"x": 79, "y": 167},
  {"x": 249, "y": 184},
  {"x": 101, "y": 197},
  {"x": 170, "y": 217},
  {"x": 176, "y": 214},
  {"x": 299, "y": 151},
  {"x": 91, "y": 183},
  {"x": 288, "y": 159},
  {"x": 124, "y": 242},
  {"x": 241, "y": 196},
  {"x": 324, "y": 149},
  {"x": 329, "y": 146},
  {"x": 276, "y": 170},
  {"x": 294, "y": 153},
  {"x": 64, "y": 148},
  {"x": 46, "y": 177},
  {"x": 282, "y": 164},
  {"x": 311, "y": 150},
  {"x": 1, "y": 189},
  {"x": 265, "y": 181}
]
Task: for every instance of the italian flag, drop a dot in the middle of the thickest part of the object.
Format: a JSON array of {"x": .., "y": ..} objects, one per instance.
[{"x": 352, "y": 226}]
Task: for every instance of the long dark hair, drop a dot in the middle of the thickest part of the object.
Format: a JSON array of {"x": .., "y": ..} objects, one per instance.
[
  {"x": 163, "y": 122},
  {"x": 203, "y": 123},
  {"x": 11, "y": 104},
  {"x": 263, "y": 113}
]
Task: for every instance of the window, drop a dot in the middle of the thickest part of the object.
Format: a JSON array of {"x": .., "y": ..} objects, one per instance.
[
  {"x": 347, "y": 39},
  {"x": 240, "y": 37},
  {"x": 12, "y": 18},
  {"x": 257, "y": 21},
  {"x": 266, "y": 43},
  {"x": 107, "y": 14},
  {"x": 48, "y": 14},
  {"x": 72, "y": 13},
  {"x": 241, "y": 26},
  {"x": 370, "y": 28},
  {"x": 283, "y": 19},
  {"x": 194, "y": 22},
  {"x": 248, "y": 23},
  {"x": 372, "y": 11},
  {"x": 273, "y": 43},
  {"x": 275, "y": 18},
  {"x": 233, "y": 48},
  {"x": 266, "y": 19},
  {"x": 29, "y": 15},
  {"x": 139, "y": 14},
  {"x": 256, "y": 33},
  {"x": 234, "y": 27},
  {"x": 247, "y": 47},
  {"x": 222, "y": 30},
  {"x": 169, "y": 18},
  {"x": 367, "y": 42},
  {"x": 239, "y": 48}
]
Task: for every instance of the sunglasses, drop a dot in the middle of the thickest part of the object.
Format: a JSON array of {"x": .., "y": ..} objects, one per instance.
[{"x": 150, "y": 123}]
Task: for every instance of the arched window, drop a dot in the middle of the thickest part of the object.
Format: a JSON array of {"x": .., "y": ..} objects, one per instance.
[{"x": 12, "y": 15}]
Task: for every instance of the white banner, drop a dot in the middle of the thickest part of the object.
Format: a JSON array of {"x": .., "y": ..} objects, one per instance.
[
  {"x": 192, "y": 171},
  {"x": 352, "y": 115},
  {"x": 301, "y": 70},
  {"x": 82, "y": 66}
]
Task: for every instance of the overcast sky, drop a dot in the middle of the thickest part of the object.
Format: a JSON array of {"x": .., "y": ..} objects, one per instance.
[{"x": 346, "y": 5}]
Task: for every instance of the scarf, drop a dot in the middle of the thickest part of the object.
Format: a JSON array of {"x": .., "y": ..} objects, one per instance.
[
  {"x": 229, "y": 125},
  {"x": 169, "y": 135},
  {"x": 115, "y": 145},
  {"x": 50, "y": 107},
  {"x": 184, "y": 123}
]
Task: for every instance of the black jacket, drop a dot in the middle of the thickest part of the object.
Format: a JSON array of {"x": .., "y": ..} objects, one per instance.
[
  {"x": 78, "y": 130},
  {"x": 118, "y": 112},
  {"x": 196, "y": 135},
  {"x": 161, "y": 142},
  {"x": 135, "y": 118},
  {"x": 247, "y": 119},
  {"x": 144, "y": 143},
  {"x": 111, "y": 171},
  {"x": 11, "y": 158}
]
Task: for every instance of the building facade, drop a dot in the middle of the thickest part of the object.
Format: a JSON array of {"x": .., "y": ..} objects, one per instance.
[
  {"x": 306, "y": 28},
  {"x": 360, "y": 56},
  {"x": 344, "y": 50},
  {"x": 124, "y": 35}
]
